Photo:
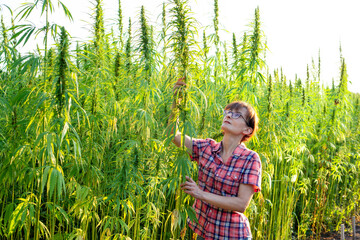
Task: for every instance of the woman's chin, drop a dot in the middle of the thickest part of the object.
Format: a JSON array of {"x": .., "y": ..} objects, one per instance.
[{"x": 224, "y": 128}]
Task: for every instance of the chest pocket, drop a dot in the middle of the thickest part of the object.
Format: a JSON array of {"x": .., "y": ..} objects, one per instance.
[
  {"x": 228, "y": 185},
  {"x": 228, "y": 180},
  {"x": 207, "y": 171}
]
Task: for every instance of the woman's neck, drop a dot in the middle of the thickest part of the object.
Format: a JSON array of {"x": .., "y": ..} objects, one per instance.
[{"x": 230, "y": 142}]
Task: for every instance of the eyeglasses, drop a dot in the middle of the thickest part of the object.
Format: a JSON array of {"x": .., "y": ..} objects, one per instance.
[{"x": 235, "y": 115}]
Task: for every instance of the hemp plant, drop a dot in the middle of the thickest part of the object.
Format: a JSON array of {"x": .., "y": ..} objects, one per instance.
[
  {"x": 25, "y": 31},
  {"x": 62, "y": 69},
  {"x": 182, "y": 41}
]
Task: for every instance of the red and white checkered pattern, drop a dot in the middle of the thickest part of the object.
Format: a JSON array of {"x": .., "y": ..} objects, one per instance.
[{"x": 223, "y": 179}]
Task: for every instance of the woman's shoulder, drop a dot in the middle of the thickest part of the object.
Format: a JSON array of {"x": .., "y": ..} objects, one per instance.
[
  {"x": 248, "y": 153},
  {"x": 207, "y": 142}
]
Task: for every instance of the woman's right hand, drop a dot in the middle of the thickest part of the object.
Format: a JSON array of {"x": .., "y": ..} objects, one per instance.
[{"x": 178, "y": 88}]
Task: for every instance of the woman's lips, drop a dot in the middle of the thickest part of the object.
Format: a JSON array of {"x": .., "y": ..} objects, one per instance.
[{"x": 227, "y": 122}]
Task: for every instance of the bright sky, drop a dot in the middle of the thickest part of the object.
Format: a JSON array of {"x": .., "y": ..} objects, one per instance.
[{"x": 295, "y": 30}]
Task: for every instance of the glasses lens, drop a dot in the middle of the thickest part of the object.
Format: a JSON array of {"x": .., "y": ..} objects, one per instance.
[
  {"x": 232, "y": 114},
  {"x": 236, "y": 115}
]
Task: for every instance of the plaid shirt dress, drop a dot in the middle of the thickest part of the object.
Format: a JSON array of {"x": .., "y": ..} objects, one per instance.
[{"x": 223, "y": 179}]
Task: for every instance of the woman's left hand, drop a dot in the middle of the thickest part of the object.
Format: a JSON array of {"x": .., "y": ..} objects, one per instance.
[{"x": 190, "y": 187}]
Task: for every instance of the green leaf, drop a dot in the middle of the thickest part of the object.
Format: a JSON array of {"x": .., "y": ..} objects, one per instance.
[
  {"x": 45, "y": 177},
  {"x": 28, "y": 31},
  {"x": 26, "y": 10},
  {"x": 191, "y": 213},
  {"x": 52, "y": 182},
  {"x": 66, "y": 11},
  {"x": 60, "y": 182},
  {"x": 64, "y": 131}
]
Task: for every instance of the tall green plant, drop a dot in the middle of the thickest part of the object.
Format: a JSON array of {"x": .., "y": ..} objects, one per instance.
[
  {"x": 182, "y": 41},
  {"x": 128, "y": 50},
  {"x": 145, "y": 46},
  {"x": 5, "y": 44},
  {"x": 62, "y": 70},
  {"x": 120, "y": 25},
  {"x": 256, "y": 48},
  {"x": 26, "y": 30}
]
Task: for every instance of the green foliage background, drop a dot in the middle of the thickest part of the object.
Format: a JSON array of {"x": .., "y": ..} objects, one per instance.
[{"x": 83, "y": 133}]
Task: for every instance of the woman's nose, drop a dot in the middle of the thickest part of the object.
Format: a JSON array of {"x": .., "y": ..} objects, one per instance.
[{"x": 228, "y": 115}]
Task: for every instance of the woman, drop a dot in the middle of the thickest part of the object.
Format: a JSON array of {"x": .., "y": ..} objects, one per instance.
[{"x": 229, "y": 175}]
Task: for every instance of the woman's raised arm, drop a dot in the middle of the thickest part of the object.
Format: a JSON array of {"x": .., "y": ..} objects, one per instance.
[{"x": 178, "y": 88}]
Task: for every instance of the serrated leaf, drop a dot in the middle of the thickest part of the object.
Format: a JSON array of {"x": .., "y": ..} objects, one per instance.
[
  {"x": 52, "y": 182},
  {"x": 45, "y": 177}
]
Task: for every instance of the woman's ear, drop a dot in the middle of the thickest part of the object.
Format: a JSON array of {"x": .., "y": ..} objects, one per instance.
[{"x": 248, "y": 130}]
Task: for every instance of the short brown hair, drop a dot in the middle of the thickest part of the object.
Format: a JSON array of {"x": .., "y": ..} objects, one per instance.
[{"x": 251, "y": 117}]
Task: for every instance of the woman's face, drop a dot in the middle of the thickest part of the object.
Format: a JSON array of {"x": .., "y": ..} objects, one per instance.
[{"x": 234, "y": 122}]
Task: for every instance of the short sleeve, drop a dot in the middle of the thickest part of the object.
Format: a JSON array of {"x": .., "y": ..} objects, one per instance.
[
  {"x": 198, "y": 147},
  {"x": 252, "y": 172}
]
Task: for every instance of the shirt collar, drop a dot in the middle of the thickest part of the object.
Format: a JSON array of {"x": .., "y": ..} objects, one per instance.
[
  {"x": 237, "y": 152},
  {"x": 217, "y": 147}
]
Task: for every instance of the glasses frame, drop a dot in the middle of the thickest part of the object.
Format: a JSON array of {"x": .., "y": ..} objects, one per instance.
[{"x": 235, "y": 115}]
